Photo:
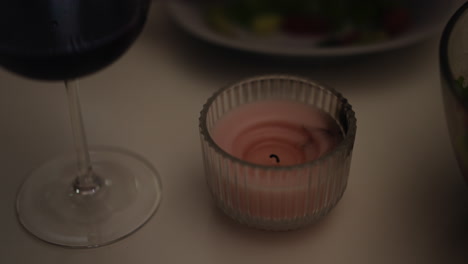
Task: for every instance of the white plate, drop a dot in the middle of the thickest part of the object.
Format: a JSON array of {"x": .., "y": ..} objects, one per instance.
[{"x": 428, "y": 18}]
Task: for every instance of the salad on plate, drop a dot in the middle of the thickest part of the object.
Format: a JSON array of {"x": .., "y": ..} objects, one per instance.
[{"x": 334, "y": 23}]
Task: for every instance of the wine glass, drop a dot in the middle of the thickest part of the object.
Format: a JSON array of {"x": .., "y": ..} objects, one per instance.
[
  {"x": 96, "y": 196},
  {"x": 453, "y": 57}
]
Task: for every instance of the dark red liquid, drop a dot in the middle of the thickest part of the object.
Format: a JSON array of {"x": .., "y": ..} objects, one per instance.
[{"x": 67, "y": 39}]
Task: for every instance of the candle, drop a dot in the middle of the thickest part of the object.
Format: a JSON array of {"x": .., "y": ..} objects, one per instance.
[
  {"x": 276, "y": 133},
  {"x": 277, "y": 150}
]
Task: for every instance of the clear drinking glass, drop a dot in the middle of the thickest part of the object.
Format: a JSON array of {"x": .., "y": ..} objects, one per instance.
[
  {"x": 277, "y": 150},
  {"x": 94, "y": 196},
  {"x": 454, "y": 78}
]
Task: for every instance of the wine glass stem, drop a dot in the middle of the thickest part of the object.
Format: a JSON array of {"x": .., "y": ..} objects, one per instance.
[{"x": 86, "y": 181}]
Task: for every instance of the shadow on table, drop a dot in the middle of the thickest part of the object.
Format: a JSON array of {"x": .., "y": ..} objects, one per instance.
[
  {"x": 438, "y": 209},
  {"x": 456, "y": 234}
]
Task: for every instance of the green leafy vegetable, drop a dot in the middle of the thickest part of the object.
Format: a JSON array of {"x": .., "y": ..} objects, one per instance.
[{"x": 462, "y": 87}]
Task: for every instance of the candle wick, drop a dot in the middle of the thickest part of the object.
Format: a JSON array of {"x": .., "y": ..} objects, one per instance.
[{"x": 275, "y": 157}]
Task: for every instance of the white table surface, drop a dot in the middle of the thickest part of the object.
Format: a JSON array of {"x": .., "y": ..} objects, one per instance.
[{"x": 405, "y": 202}]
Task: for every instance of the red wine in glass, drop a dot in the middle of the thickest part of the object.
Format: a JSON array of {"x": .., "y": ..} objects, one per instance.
[
  {"x": 66, "y": 39},
  {"x": 95, "y": 196}
]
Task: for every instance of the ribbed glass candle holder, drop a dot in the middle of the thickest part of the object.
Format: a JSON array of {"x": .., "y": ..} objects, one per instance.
[{"x": 277, "y": 150}]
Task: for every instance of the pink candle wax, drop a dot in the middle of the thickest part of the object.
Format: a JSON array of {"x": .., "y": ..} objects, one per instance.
[{"x": 274, "y": 133}]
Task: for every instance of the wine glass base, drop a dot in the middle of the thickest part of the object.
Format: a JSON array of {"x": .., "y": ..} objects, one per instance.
[{"x": 49, "y": 207}]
